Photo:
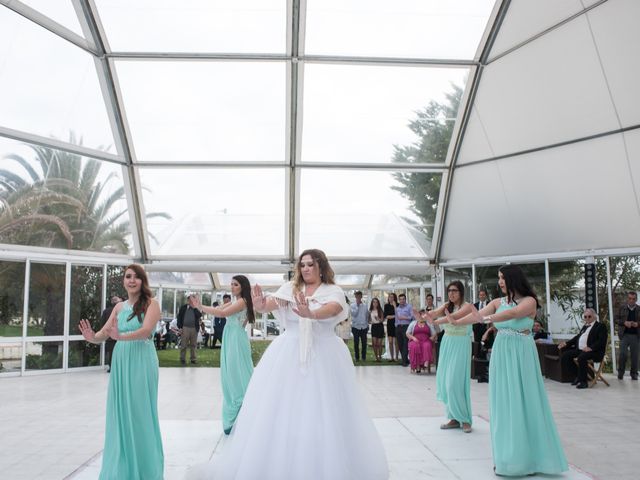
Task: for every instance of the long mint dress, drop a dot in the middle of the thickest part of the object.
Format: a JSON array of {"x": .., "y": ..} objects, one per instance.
[
  {"x": 453, "y": 374},
  {"x": 236, "y": 367},
  {"x": 524, "y": 437},
  {"x": 132, "y": 444}
]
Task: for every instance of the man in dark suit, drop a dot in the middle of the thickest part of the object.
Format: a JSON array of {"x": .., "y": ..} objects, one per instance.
[
  {"x": 110, "y": 343},
  {"x": 219, "y": 322},
  {"x": 480, "y": 328},
  {"x": 589, "y": 344}
]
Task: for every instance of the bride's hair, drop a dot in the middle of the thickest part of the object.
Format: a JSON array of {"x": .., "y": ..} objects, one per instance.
[{"x": 326, "y": 272}]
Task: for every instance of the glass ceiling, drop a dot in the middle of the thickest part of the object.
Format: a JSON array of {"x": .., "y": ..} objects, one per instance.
[{"x": 238, "y": 133}]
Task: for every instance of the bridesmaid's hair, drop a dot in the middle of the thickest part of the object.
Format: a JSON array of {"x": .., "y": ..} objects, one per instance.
[
  {"x": 378, "y": 309},
  {"x": 245, "y": 294},
  {"x": 326, "y": 272},
  {"x": 395, "y": 298},
  {"x": 145, "y": 292},
  {"x": 458, "y": 284},
  {"x": 516, "y": 282}
]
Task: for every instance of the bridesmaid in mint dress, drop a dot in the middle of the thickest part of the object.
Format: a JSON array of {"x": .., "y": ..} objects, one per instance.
[
  {"x": 236, "y": 365},
  {"x": 453, "y": 373},
  {"x": 133, "y": 444},
  {"x": 524, "y": 437}
]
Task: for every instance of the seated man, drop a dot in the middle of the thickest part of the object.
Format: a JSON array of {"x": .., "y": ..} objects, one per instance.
[
  {"x": 539, "y": 335},
  {"x": 589, "y": 344}
]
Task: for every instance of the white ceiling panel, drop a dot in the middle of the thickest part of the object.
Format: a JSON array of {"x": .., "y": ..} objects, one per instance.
[
  {"x": 615, "y": 29},
  {"x": 476, "y": 144},
  {"x": 526, "y": 18},
  {"x": 560, "y": 199},
  {"x": 549, "y": 91}
]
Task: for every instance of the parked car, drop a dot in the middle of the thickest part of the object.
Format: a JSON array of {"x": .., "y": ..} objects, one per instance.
[{"x": 272, "y": 328}]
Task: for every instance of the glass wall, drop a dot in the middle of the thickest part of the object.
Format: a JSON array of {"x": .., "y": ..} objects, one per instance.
[
  {"x": 44, "y": 355},
  {"x": 487, "y": 278},
  {"x": 566, "y": 282},
  {"x": 11, "y": 299},
  {"x": 46, "y": 300}
]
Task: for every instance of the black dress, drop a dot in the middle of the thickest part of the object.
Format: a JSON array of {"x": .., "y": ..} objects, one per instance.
[{"x": 389, "y": 309}]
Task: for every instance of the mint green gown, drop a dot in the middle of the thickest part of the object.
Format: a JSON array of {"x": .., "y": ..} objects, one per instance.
[
  {"x": 453, "y": 374},
  {"x": 132, "y": 444},
  {"x": 524, "y": 437},
  {"x": 236, "y": 367}
]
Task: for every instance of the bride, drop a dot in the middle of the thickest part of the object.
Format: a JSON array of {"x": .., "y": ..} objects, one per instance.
[{"x": 303, "y": 416}]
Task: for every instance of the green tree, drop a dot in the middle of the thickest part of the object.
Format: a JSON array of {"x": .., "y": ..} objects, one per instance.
[
  {"x": 60, "y": 200},
  {"x": 433, "y": 126}
]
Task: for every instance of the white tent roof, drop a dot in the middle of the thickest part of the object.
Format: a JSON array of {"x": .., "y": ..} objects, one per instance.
[{"x": 259, "y": 128}]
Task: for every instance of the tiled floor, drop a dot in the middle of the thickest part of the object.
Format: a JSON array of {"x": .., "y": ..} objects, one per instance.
[{"x": 52, "y": 426}]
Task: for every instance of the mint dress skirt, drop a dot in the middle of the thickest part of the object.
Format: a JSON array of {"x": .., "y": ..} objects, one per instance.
[
  {"x": 524, "y": 437},
  {"x": 132, "y": 444},
  {"x": 453, "y": 374},
  {"x": 236, "y": 367}
]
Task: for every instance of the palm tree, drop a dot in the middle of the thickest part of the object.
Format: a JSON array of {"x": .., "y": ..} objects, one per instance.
[{"x": 60, "y": 200}]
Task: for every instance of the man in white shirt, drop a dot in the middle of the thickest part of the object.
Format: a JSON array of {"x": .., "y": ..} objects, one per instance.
[{"x": 589, "y": 344}]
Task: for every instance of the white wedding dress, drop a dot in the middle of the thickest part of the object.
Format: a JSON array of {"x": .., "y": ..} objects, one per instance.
[{"x": 303, "y": 416}]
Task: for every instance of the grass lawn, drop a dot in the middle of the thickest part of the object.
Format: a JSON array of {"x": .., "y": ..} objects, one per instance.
[
  {"x": 16, "y": 331},
  {"x": 211, "y": 358}
]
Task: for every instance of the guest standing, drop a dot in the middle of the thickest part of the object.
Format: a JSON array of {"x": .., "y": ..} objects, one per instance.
[
  {"x": 453, "y": 375},
  {"x": 133, "y": 444},
  {"x": 524, "y": 437}
]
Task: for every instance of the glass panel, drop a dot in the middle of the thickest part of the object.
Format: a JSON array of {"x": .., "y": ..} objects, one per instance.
[
  {"x": 375, "y": 114},
  {"x": 536, "y": 275},
  {"x": 205, "y": 111},
  {"x": 11, "y": 299},
  {"x": 230, "y": 211},
  {"x": 263, "y": 279},
  {"x": 46, "y": 300},
  {"x": 49, "y": 86},
  {"x": 181, "y": 278},
  {"x": 396, "y": 221},
  {"x": 115, "y": 276},
  {"x": 83, "y": 354},
  {"x": 566, "y": 281},
  {"x": 44, "y": 355},
  {"x": 357, "y": 280},
  {"x": 11, "y": 356},
  {"x": 216, "y": 26},
  {"x": 625, "y": 277},
  {"x": 168, "y": 296},
  {"x": 413, "y": 297},
  {"x": 61, "y": 11},
  {"x": 462, "y": 274},
  {"x": 63, "y": 200},
  {"x": 86, "y": 297},
  {"x": 206, "y": 298},
  {"x": 181, "y": 299},
  {"x": 411, "y": 28},
  {"x": 487, "y": 279}
]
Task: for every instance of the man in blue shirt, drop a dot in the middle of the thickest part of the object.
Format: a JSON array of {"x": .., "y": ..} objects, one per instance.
[
  {"x": 359, "y": 326},
  {"x": 404, "y": 316}
]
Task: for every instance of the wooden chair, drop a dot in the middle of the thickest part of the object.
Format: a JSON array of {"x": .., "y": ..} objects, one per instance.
[{"x": 595, "y": 375}]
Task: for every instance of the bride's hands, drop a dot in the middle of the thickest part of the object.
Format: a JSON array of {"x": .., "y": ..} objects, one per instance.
[
  {"x": 302, "y": 306},
  {"x": 257, "y": 297}
]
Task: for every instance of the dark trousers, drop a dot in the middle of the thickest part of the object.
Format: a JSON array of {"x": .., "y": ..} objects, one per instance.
[
  {"x": 217, "y": 335},
  {"x": 579, "y": 371},
  {"x": 403, "y": 343},
  {"x": 628, "y": 342},
  {"x": 108, "y": 351},
  {"x": 360, "y": 337}
]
